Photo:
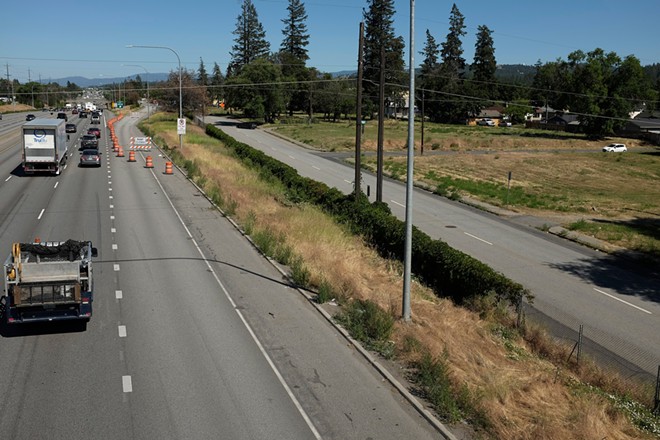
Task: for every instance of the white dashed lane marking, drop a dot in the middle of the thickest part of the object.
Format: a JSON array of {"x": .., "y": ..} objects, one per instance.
[{"x": 127, "y": 384}]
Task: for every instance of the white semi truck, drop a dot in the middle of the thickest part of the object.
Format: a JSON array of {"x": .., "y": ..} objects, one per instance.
[{"x": 44, "y": 146}]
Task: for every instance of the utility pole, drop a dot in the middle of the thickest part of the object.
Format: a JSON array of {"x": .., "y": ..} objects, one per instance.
[
  {"x": 8, "y": 89},
  {"x": 358, "y": 117},
  {"x": 407, "y": 266},
  {"x": 422, "y": 147},
  {"x": 381, "y": 123}
]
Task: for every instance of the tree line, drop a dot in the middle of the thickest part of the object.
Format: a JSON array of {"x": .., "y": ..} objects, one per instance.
[{"x": 600, "y": 87}]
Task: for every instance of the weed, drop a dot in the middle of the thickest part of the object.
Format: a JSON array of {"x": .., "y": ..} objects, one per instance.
[
  {"x": 248, "y": 223},
  {"x": 299, "y": 273},
  {"x": 432, "y": 376},
  {"x": 325, "y": 292},
  {"x": 369, "y": 324}
]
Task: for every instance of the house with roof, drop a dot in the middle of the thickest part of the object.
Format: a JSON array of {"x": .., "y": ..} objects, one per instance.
[{"x": 646, "y": 125}]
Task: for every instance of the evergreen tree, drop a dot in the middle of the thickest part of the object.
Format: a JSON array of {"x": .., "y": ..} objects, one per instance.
[
  {"x": 452, "y": 70},
  {"x": 484, "y": 65},
  {"x": 250, "y": 42},
  {"x": 292, "y": 57},
  {"x": 295, "y": 33},
  {"x": 429, "y": 76},
  {"x": 217, "y": 81},
  {"x": 202, "y": 76},
  {"x": 483, "y": 71},
  {"x": 379, "y": 33}
]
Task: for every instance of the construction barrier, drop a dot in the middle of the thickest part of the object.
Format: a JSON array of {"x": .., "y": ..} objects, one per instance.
[
  {"x": 140, "y": 143},
  {"x": 168, "y": 167},
  {"x": 131, "y": 156},
  {"x": 149, "y": 163}
]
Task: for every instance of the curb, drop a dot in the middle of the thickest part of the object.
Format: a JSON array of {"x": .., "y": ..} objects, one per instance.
[{"x": 417, "y": 405}]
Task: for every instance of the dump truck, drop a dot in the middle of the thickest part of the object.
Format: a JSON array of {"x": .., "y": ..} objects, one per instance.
[
  {"x": 50, "y": 281},
  {"x": 44, "y": 146}
]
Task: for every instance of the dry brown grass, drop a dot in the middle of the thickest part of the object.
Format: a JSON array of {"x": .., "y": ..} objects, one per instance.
[
  {"x": 523, "y": 396},
  {"x": 10, "y": 108}
]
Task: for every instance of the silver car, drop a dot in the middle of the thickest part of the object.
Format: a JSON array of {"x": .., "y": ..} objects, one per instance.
[{"x": 90, "y": 158}]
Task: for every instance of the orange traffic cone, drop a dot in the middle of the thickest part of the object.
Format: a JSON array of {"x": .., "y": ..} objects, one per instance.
[
  {"x": 149, "y": 163},
  {"x": 131, "y": 156},
  {"x": 120, "y": 153},
  {"x": 168, "y": 167}
]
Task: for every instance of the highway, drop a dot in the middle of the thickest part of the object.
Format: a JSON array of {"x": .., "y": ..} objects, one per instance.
[
  {"x": 194, "y": 335},
  {"x": 573, "y": 285}
]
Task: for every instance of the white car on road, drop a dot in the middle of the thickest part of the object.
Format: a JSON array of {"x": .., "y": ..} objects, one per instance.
[{"x": 615, "y": 148}]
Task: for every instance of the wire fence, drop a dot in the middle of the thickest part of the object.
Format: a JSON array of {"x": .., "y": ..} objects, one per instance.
[{"x": 610, "y": 352}]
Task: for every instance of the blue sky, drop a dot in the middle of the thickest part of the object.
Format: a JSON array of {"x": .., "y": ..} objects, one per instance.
[{"x": 55, "y": 39}]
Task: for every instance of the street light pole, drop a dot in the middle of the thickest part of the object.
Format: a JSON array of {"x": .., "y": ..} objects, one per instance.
[
  {"x": 148, "y": 100},
  {"x": 180, "y": 94},
  {"x": 409, "y": 173}
]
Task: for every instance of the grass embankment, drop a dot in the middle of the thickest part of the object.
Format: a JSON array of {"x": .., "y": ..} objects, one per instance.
[
  {"x": 560, "y": 176},
  {"x": 467, "y": 366}
]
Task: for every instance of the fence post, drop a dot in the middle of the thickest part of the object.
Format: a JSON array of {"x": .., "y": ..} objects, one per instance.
[
  {"x": 579, "y": 348},
  {"x": 519, "y": 321},
  {"x": 656, "y": 400}
]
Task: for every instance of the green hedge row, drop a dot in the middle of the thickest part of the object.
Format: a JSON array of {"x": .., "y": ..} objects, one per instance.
[{"x": 449, "y": 272}]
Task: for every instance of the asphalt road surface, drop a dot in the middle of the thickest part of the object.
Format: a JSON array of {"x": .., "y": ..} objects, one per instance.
[
  {"x": 617, "y": 305},
  {"x": 194, "y": 334}
]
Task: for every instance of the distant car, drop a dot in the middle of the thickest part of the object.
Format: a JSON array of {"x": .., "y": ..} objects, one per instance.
[
  {"x": 90, "y": 158},
  {"x": 615, "y": 148},
  {"x": 89, "y": 141},
  {"x": 95, "y": 119},
  {"x": 71, "y": 128},
  {"x": 504, "y": 124},
  {"x": 74, "y": 111},
  {"x": 62, "y": 115},
  {"x": 248, "y": 125},
  {"x": 82, "y": 114},
  {"x": 30, "y": 117},
  {"x": 95, "y": 131},
  {"x": 486, "y": 122}
]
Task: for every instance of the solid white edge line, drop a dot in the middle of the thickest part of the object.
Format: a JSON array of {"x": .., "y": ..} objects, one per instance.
[
  {"x": 316, "y": 168},
  {"x": 625, "y": 302},
  {"x": 41, "y": 213},
  {"x": 240, "y": 315},
  {"x": 477, "y": 238},
  {"x": 397, "y": 203},
  {"x": 127, "y": 384}
]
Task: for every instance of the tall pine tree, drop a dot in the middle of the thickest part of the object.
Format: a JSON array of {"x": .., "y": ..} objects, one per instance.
[
  {"x": 216, "y": 83},
  {"x": 295, "y": 33},
  {"x": 379, "y": 33},
  {"x": 483, "y": 71},
  {"x": 452, "y": 70},
  {"x": 292, "y": 57},
  {"x": 429, "y": 77},
  {"x": 250, "y": 42}
]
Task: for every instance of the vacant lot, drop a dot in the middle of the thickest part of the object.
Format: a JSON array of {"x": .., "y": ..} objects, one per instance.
[{"x": 559, "y": 176}]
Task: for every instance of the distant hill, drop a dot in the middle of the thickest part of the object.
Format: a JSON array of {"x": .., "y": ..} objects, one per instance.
[
  {"x": 515, "y": 72},
  {"x": 97, "y": 82}
]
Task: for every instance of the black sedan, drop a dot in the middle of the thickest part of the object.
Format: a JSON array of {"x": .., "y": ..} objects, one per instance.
[
  {"x": 30, "y": 117},
  {"x": 90, "y": 158},
  {"x": 71, "y": 128}
]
